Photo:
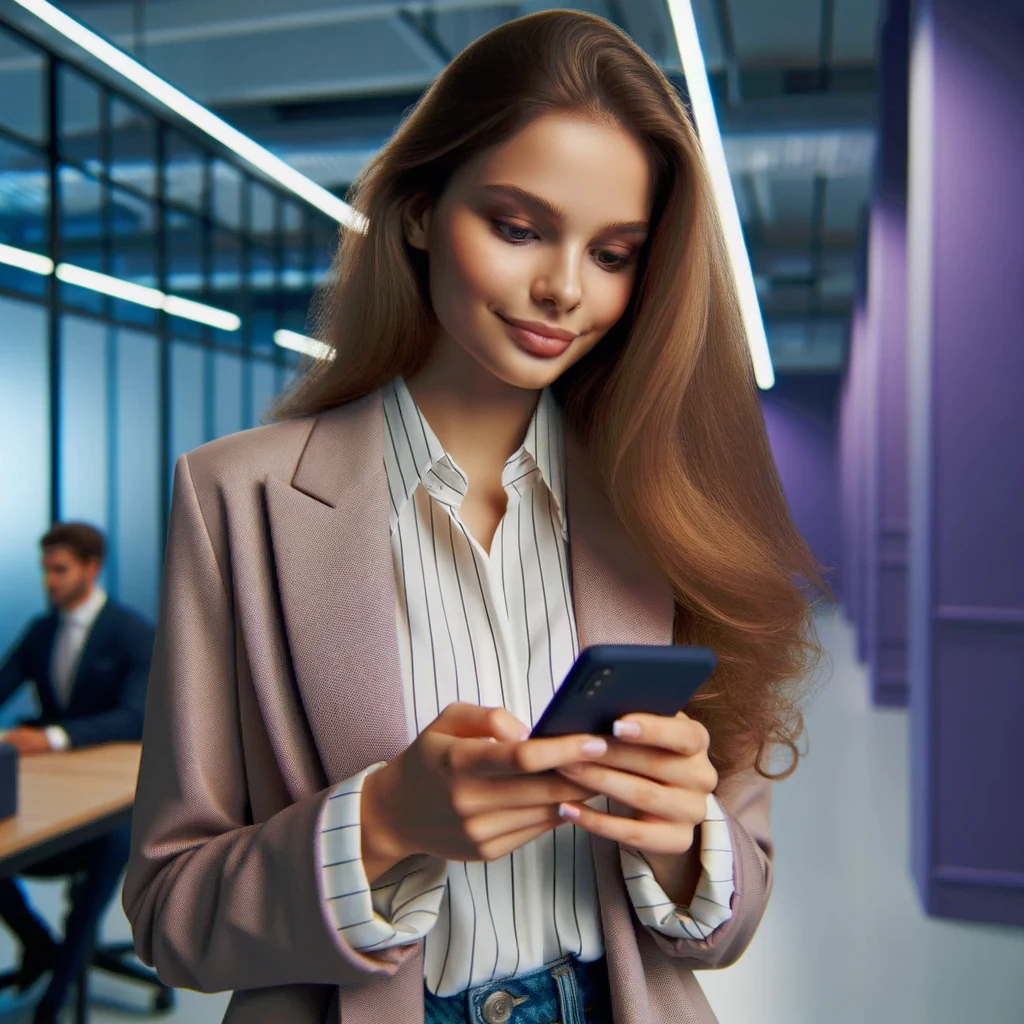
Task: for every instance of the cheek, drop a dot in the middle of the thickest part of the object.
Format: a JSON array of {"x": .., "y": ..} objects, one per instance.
[
  {"x": 474, "y": 265},
  {"x": 607, "y": 297}
]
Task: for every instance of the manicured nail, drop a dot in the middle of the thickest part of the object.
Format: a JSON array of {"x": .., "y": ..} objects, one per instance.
[
  {"x": 621, "y": 728},
  {"x": 568, "y": 811},
  {"x": 594, "y": 748}
]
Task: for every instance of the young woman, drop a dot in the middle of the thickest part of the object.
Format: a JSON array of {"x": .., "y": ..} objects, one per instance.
[{"x": 538, "y": 431}]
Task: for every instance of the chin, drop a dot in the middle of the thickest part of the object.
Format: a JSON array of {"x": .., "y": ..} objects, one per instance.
[{"x": 519, "y": 370}]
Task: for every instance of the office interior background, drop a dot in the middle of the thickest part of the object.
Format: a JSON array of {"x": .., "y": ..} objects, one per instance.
[{"x": 874, "y": 151}]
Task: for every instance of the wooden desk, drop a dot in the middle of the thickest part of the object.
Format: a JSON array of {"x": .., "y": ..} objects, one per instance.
[{"x": 67, "y": 798}]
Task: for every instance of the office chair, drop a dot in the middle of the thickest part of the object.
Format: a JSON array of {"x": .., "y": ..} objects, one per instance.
[
  {"x": 117, "y": 959},
  {"x": 112, "y": 958}
]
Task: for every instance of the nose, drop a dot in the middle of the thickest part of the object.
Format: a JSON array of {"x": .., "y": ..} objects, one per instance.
[{"x": 558, "y": 283}]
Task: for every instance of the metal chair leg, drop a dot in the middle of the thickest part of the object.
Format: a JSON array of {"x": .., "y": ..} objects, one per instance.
[{"x": 82, "y": 996}]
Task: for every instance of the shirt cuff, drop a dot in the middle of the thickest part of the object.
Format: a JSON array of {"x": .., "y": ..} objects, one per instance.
[
  {"x": 712, "y": 901},
  {"x": 57, "y": 738},
  {"x": 403, "y": 904}
]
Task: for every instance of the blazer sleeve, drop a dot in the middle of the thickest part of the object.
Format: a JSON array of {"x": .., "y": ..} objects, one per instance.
[
  {"x": 14, "y": 670},
  {"x": 124, "y": 721},
  {"x": 745, "y": 798},
  {"x": 215, "y": 901}
]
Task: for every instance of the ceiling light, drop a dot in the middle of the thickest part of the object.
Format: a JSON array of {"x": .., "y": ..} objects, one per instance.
[
  {"x": 30, "y": 261},
  {"x": 697, "y": 85},
  {"x": 188, "y": 108},
  {"x": 142, "y": 295},
  {"x": 114, "y": 286},
  {"x": 220, "y": 318},
  {"x": 300, "y": 343}
]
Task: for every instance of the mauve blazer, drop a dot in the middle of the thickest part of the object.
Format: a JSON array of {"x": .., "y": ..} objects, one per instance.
[{"x": 276, "y": 673}]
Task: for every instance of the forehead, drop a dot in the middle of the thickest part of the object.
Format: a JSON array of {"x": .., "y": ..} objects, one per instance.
[
  {"x": 596, "y": 171},
  {"x": 58, "y": 555}
]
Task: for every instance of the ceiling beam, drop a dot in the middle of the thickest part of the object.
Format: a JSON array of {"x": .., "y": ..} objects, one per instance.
[{"x": 723, "y": 22}]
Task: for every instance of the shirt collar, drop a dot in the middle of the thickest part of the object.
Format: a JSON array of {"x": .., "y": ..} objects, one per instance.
[
  {"x": 86, "y": 613},
  {"x": 413, "y": 456}
]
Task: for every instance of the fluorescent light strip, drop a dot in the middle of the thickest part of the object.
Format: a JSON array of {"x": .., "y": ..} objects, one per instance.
[
  {"x": 25, "y": 260},
  {"x": 96, "y": 282},
  {"x": 300, "y": 343},
  {"x": 176, "y": 100},
  {"x": 173, "y": 305},
  {"x": 696, "y": 74},
  {"x": 141, "y": 295}
]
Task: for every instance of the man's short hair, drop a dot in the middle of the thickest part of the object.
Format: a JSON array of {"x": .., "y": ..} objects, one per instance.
[{"x": 83, "y": 540}]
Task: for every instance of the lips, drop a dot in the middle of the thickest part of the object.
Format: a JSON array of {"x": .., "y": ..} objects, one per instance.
[
  {"x": 536, "y": 339},
  {"x": 543, "y": 330}
]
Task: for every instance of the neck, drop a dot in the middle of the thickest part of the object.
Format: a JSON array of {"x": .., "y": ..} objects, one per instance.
[
  {"x": 80, "y": 600},
  {"x": 479, "y": 419}
]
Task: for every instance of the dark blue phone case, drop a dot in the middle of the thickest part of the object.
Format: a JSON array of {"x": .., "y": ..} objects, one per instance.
[{"x": 608, "y": 681}]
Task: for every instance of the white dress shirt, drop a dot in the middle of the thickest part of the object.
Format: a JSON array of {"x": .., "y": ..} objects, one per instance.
[
  {"x": 496, "y": 629},
  {"x": 72, "y": 632}
]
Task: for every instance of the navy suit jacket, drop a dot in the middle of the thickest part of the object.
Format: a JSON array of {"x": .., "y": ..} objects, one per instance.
[{"x": 108, "y": 695}]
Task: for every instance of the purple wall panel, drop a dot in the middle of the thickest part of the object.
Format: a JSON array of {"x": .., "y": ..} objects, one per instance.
[
  {"x": 858, "y": 497},
  {"x": 966, "y": 363},
  {"x": 887, "y": 485},
  {"x": 843, "y": 459},
  {"x": 852, "y": 486},
  {"x": 805, "y": 452}
]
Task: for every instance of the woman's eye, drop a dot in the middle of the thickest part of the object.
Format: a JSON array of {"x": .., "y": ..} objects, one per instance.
[
  {"x": 611, "y": 260},
  {"x": 512, "y": 232}
]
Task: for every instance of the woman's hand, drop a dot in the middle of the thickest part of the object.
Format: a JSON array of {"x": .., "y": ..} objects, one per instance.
[
  {"x": 659, "y": 768},
  {"x": 470, "y": 787}
]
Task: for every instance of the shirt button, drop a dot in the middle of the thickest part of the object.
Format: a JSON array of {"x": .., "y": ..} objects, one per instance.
[{"x": 497, "y": 1008}]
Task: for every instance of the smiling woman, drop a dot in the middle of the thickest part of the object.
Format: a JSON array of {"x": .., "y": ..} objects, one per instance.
[{"x": 538, "y": 431}]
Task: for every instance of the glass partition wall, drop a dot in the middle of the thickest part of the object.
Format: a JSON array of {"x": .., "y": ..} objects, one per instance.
[{"x": 100, "y": 392}]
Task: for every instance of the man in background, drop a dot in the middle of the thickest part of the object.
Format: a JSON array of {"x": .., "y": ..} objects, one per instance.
[{"x": 89, "y": 661}]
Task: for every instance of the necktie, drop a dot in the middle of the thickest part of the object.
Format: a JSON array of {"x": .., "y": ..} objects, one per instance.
[{"x": 64, "y": 661}]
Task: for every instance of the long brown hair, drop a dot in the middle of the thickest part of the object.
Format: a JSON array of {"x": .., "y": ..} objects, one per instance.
[{"x": 666, "y": 402}]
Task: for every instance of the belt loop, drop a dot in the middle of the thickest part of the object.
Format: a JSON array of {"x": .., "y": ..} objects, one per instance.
[{"x": 570, "y": 999}]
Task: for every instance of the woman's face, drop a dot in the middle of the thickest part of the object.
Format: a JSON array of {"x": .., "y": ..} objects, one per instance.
[{"x": 533, "y": 247}]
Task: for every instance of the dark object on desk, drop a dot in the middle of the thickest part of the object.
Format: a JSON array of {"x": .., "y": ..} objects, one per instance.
[{"x": 8, "y": 780}]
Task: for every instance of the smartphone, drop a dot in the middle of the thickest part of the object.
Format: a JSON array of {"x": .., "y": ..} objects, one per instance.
[{"x": 607, "y": 682}]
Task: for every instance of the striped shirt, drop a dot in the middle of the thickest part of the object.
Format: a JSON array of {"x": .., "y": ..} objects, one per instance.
[{"x": 495, "y": 629}]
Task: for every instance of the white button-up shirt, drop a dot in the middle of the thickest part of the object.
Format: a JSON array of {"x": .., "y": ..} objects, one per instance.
[{"x": 494, "y": 628}]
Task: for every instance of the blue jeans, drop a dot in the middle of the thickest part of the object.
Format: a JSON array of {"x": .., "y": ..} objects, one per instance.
[{"x": 565, "y": 992}]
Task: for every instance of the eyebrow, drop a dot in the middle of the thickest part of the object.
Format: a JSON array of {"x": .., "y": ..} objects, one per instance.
[{"x": 556, "y": 213}]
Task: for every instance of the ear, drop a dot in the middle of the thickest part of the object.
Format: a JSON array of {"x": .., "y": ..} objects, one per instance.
[{"x": 416, "y": 221}]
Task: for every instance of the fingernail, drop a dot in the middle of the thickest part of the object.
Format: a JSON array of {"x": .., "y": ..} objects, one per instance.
[
  {"x": 594, "y": 748},
  {"x": 568, "y": 811},
  {"x": 621, "y": 729},
  {"x": 525, "y": 736}
]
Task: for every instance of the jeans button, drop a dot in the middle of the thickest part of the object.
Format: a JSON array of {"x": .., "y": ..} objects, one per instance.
[{"x": 497, "y": 1008}]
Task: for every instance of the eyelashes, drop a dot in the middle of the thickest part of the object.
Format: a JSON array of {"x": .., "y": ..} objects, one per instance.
[{"x": 518, "y": 234}]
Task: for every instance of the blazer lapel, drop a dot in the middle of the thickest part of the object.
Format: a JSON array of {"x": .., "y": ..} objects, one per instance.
[
  {"x": 619, "y": 598},
  {"x": 44, "y": 684},
  {"x": 332, "y": 552}
]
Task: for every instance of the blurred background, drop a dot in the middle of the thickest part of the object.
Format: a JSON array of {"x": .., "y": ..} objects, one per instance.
[{"x": 874, "y": 151}]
